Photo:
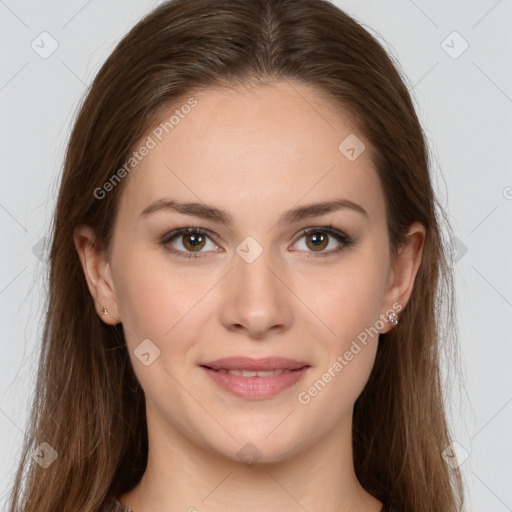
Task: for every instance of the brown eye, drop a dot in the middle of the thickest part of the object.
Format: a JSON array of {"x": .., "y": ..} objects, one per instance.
[
  {"x": 193, "y": 241},
  {"x": 317, "y": 241}
]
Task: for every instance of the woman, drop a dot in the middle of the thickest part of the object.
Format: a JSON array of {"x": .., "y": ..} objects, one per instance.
[{"x": 245, "y": 277}]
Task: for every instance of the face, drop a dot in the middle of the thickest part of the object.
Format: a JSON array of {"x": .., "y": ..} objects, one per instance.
[{"x": 247, "y": 280}]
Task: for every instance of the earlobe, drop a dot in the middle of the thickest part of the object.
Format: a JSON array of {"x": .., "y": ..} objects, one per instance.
[
  {"x": 97, "y": 274},
  {"x": 404, "y": 269}
]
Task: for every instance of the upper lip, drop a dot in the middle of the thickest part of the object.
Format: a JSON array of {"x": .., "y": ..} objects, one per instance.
[{"x": 250, "y": 364}]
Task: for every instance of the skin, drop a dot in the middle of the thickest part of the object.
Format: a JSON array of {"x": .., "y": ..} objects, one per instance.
[{"x": 254, "y": 153}]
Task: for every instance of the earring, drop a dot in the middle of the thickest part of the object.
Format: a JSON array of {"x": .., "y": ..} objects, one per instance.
[
  {"x": 393, "y": 318},
  {"x": 103, "y": 311}
]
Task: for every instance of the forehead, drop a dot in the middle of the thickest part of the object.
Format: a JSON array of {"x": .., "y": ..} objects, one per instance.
[{"x": 260, "y": 149}]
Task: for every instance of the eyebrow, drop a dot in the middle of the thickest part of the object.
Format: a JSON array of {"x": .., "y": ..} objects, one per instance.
[{"x": 292, "y": 216}]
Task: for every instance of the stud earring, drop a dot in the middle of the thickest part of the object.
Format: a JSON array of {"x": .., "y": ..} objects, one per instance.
[
  {"x": 103, "y": 311},
  {"x": 393, "y": 318}
]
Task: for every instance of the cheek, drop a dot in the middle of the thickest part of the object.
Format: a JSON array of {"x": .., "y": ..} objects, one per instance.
[
  {"x": 352, "y": 300},
  {"x": 350, "y": 307},
  {"x": 156, "y": 299},
  {"x": 346, "y": 353},
  {"x": 156, "y": 302},
  {"x": 144, "y": 295}
]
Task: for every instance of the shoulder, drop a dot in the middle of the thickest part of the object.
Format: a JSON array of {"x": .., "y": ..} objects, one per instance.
[{"x": 112, "y": 505}]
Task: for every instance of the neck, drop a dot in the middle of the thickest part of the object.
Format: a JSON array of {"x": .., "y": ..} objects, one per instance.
[{"x": 182, "y": 475}]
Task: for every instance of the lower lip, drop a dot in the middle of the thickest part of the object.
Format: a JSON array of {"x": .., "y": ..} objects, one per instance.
[{"x": 256, "y": 388}]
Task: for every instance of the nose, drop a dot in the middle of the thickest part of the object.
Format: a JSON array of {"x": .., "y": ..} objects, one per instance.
[{"x": 256, "y": 297}]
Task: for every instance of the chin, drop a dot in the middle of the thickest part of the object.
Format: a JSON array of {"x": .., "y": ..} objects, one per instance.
[{"x": 254, "y": 445}]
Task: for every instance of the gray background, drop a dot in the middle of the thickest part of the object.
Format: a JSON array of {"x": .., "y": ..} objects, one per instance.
[{"x": 464, "y": 101}]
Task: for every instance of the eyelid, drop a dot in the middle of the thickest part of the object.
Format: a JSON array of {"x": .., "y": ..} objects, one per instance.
[
  {"x": 341, "y": 237},
  {"x": 176, "y": 233}
]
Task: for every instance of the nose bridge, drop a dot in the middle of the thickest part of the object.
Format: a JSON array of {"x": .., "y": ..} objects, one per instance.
[
  {"x": 256, "y": 297},
  {"x": 255, "y": 274}
]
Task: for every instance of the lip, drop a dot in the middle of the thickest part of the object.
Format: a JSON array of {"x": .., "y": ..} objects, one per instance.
[
  {"x": 255, "y": 388},
  {"x": 251, "y": 364}
]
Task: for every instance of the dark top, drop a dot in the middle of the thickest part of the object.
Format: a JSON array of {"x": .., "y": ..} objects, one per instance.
[{"x": 113, "y": 505}]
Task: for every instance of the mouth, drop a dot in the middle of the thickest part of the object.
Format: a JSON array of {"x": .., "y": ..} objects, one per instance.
[
  {"x": 247, "y": 364},
  {"x": 252, "y": 373},
  {"x": 255, "y": 379}
]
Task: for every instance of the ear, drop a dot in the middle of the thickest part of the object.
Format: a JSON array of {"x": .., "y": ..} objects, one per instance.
[
  {"x": 403, "y": 271},
  {"x": 97, "y": 273}
]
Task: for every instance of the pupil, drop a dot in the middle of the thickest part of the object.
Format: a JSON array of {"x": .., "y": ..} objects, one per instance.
[
  {"x": 317, "y": 240},
  {"x": 194, "y": 236}
]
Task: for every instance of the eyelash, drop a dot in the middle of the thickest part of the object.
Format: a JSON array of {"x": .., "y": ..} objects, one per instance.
[{"x": 345, "y": 240}]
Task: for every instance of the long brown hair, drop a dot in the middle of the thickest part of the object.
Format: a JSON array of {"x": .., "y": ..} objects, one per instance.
[{"x": 89, "y": 406}]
